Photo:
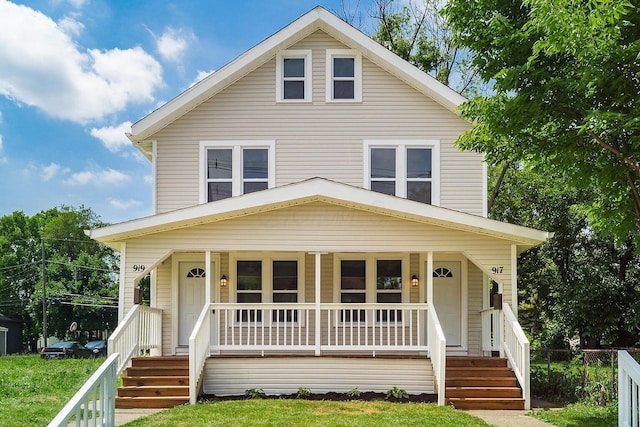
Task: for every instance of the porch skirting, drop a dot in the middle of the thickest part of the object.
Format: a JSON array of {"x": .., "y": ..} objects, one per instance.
[{"x": 229, "y": 376}]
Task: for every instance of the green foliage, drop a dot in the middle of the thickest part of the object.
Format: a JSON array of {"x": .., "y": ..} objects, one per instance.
[
  {"x": 397, "y": 393},
  {"x": 303, "y": 393},
  {"x": 34, "y": 390},
  {"x": 565, "y": 100},
  {"x": 579, "y": 415},
  {"x": 354, "y": 393},
  {"x": 79, "y": 272},
  {"x": 255, "y": 393}
]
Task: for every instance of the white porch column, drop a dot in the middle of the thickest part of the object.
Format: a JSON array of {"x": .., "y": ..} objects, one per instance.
[
  {"x": 318, "y": 283},
  {"x": 207, "y": 277},
  {"x": 514, "y": 280},
  {"x": 429, "y": 274},
  {"x": 123, "y": 281}
]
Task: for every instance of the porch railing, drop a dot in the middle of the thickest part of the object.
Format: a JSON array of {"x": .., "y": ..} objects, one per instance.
[
  {"x": 138, "y": 333},
  {"x": 199, "y": 344},
  {"x": 95, "y": 403},
  {"x": 491, "y": 324},
  {"x": 628, "y": 390},
  {"x": 516, "y": 347},
  {"x": 437, "y": 344}
]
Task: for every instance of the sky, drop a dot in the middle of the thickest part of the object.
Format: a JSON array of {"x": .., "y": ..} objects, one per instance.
[{"x": 75, "y": 74}]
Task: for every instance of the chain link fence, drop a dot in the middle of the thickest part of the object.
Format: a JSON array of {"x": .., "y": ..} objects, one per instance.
[{"x": 567, "y": 376}]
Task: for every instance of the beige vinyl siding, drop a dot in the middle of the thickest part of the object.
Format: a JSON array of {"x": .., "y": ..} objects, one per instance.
[
  {"x": 284, "y": 375},
  {"x": 163, "y": 302},
  {"x": 474, "y": 295},
  {"x": 317, "y": 139}
]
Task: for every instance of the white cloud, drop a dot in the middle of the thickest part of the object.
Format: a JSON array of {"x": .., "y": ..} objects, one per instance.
[
  {"x": 0, "y": 143},
  {"x": 50, "y": 171},
  {"x": 173, "y": 43},
  {"x": 113, "y": 137},
  {"x": 77, "y": 3},
  {"x": 3, "y": 160},
  {"x": 42, "y": 66},
  {"x": 70, "y": 26},
  {"x": 124, "y": 204},
  {"x": 148, "y": 179},
  {"x": 101, "y": 177},
  {"x": 201, "y": 76}
]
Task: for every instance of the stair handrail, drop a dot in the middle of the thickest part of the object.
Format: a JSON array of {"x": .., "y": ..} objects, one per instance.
[
  {"x": 437, "y": 344},
  {"x": 628, "y": 396},
  {"x": 95, "y": 403},
  {"x": 199, "y": 345},
  {"x": 139, "y": 331},
  {"x": 516, "y": 347}
]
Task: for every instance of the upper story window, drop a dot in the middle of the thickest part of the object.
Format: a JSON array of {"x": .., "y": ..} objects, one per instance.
[
  {"x": 408, "y": 169},
  {"x": 232, "y": 168},
  {"x": 344, "y": 75},
  {"x": 293, "y": 76}
]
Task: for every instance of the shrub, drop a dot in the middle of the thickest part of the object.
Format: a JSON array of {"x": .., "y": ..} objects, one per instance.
[
  {"x": 255, "y": 393},
  {"x": 354, "y": 393},
  {"x": 397, "y": 393},
  {"x": 303, "y": 393}
]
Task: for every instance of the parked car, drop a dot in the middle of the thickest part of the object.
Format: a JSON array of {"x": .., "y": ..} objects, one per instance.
[
  {"x": 98, "y": 348},
  {"x": 65, "y": 349}
]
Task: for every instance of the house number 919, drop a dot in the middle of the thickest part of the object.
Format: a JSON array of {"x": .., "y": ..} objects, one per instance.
[
  {"x": 139, "y": 267},
  {"x": 497, "y": 270}
]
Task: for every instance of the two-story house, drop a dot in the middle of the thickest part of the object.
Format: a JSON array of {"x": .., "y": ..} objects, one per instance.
[{"x": 315, "y": 226}]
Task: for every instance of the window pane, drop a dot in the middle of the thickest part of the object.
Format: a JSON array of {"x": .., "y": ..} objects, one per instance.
[
  {"x": 389, "y": 274},
  {"x": 385, "y": 187},
  {"x": 219, "y": 164},
  {"x": 294, "y": 89},
  {"x": 252, "y": 298},
  {"x": 419, "y": 163},
  {"x": 285, "y": 298},
  {"x": 255, "y": 163},
  {"x": 352, "y": 275},
  {"x": 419, "y": 191},
  {"x": 285, "y": 276},
  {"x": 383, "y": 163},
  {"x": 218, "y": 191},
  {"x": 252, "y": 187},
  {"x": 294, "y": 67},
  {"x": 351, "y": 298},
  {"x": 343, "y": 67},
  {"x": 343, "y": 89},
  {"x": 249, "y": 275}
]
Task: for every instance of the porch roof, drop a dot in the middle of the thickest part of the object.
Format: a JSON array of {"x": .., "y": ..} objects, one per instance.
[{"x": 317, "y": 190}]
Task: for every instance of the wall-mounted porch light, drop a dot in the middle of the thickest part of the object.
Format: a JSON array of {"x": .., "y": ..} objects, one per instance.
[
  {"x": 414, "y": 281},
  {"x": 223, "y": 281}
]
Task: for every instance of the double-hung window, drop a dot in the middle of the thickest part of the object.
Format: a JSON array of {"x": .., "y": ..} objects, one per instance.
[
  {"x": 343, "y": 75},
  {"x": 389, "y": 288},
  {"x": 408, "y": 169},
  {"x": 235, "y": 168},
  {"x": 293, "y": 76}
]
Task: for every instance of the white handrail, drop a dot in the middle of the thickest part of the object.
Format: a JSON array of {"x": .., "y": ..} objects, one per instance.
[
  {"x": 95, "y": 403},
  {"x": 140, "y": 331},
  {"x": 437, "y": 344},
  {"x": 516, "y": 347},
  {"x": 199, "y": 343},
  {"x": 491, "y": 339},
  {"x": 628, "y": 390}
]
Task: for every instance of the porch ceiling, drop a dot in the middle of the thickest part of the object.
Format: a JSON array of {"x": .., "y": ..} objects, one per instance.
[{"x": 317, "y": 190}]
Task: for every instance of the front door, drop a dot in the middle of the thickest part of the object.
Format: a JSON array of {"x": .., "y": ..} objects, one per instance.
[
  {"x": 191, "y": 298},
  {"x": 447, "y": 300}
]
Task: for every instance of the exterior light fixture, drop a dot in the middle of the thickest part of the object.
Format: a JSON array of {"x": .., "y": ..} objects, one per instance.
[
  {"x": 223, "y": 281},
  {"x": 414, "y": 281}
]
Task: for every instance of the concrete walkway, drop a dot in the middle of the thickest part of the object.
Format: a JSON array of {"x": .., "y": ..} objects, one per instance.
[
  {"x": 508, "y": 418},
  {"x": 124, "y": 416}
]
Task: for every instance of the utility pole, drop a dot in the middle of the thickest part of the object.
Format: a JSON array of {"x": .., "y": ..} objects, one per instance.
[{"x": 44, "y": 298}]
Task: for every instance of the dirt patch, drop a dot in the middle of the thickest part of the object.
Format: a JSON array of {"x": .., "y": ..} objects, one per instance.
[{"x": 366, "y": 396}]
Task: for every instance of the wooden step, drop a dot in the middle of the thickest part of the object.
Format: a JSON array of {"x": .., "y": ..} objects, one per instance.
[
  {"x": 156, "y": 381},
  {"x": 153, "y": 391},
  {"x": 486, "y": 403},
  {"x": 481, "y": 382},
  {"x": 154, "y": 371},
  {"x": 493, "y": 392},
  {"x": 161, "y": 361},
  {"x": 476, "y": 362},
  {"x": 478, "y": 372},
  {"x": 150, "y": 402}
]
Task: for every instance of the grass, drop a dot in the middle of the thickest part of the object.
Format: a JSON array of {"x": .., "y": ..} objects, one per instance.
[
  {"x": 34, "y": 390},
  {"x": 580, "y": 415},
  {"x": 274, "y": 412}
]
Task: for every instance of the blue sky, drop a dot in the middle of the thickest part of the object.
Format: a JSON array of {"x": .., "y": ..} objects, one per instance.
[{"x": 74, "y": 75}]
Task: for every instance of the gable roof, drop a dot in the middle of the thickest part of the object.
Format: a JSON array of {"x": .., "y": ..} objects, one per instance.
[
  {"x": 317, "y": 19},
  {"x": 318, "y": 190}
]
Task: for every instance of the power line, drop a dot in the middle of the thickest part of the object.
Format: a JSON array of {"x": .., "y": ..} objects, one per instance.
[
  {"x": 88, "y": 305},
  {"x": 19, "y": 265}
]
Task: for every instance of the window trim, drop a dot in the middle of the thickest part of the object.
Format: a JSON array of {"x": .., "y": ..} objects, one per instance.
[
  {"x": 237, "y": 179},
  {"x": 308, "y": 74},
  {"x": 357, "y": 73},
  {"x": 401, "y": 147}
]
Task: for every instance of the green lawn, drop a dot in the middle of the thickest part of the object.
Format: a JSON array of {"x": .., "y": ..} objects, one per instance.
[
  {"x": 275, "y": 412},
  {"x": 33, "y": 390},
  {"x": 580, "y": 415}
]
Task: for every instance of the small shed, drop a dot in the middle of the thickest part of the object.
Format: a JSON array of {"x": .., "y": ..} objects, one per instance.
[{"x": 10, "y": 335}]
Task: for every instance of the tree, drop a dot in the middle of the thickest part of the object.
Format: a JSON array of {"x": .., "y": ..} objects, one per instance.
[
  {"x": 566, "y": 84},
  {"x": 81, "y": 284}
]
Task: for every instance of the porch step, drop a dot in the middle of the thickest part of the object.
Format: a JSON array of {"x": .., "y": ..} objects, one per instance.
[
  {"x": 154, "y": 382},
  {"x": 481, "y": 383}
]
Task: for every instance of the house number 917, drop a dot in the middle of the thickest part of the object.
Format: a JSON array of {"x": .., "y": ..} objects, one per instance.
[
  {"x": 497, "y": 270},
  {"x": 139, "y": 267}
]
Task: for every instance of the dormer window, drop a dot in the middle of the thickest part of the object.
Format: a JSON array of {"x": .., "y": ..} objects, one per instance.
[
  {"x": 293, "y": 76},
  {"x": 344, "y": 75}
]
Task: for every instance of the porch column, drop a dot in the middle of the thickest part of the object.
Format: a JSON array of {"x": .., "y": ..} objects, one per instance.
[
  {"x": 318, "y": 334},
  {"x": 207, "y": 277},
  {"x": 429, "y": 274},
  {"x": 514, "y": 280}
]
